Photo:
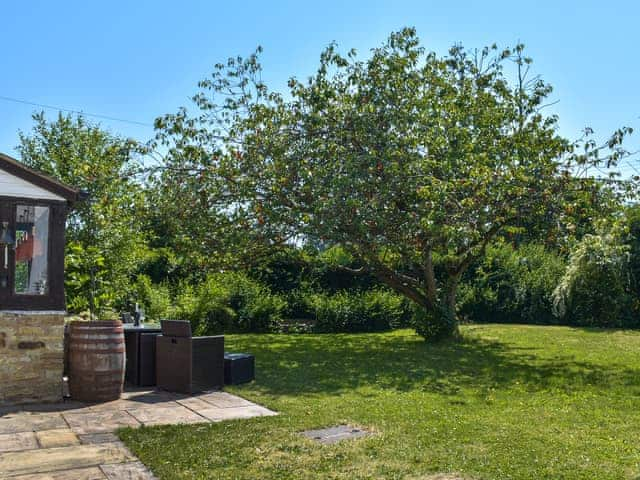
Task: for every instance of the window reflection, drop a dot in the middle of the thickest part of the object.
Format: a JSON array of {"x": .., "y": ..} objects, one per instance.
[{"x": 32, "y": 240}]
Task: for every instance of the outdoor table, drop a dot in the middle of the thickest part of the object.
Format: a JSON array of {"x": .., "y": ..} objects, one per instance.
[{"x": 140, "y": 344}]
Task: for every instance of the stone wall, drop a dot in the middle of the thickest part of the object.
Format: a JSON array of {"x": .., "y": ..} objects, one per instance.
[{"x": 31, "y": 356}]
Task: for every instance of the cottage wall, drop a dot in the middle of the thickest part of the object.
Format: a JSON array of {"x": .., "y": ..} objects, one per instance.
[{"x": 31, "y": 356}]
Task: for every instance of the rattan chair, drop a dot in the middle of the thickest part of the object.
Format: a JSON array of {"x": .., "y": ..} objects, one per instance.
[{"x": 187, "y": 364}]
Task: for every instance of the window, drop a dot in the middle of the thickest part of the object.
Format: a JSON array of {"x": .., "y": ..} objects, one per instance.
[
  {"x": 32, "y": 263},
  {"x": 31, "y": 250},
  {"x": 33, "y": 211}
]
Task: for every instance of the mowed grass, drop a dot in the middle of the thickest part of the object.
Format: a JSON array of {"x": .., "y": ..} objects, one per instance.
[{"x": 508, "y": 402}]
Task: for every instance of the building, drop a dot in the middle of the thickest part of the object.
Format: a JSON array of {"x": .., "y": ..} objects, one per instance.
[{"x": 33, "y": 211}]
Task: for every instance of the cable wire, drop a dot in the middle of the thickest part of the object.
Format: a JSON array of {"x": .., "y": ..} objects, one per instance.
[{"x": 78, "y": 112}]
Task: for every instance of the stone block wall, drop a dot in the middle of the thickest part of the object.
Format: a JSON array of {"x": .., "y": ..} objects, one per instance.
[{"x": 31, "y": 356}]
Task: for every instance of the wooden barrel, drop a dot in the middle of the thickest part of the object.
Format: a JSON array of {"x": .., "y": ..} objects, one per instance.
[{"x": 96, "y": 360}]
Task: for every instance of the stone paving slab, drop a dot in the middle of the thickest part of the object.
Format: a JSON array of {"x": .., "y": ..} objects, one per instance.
[
  {"x": 64, "y": 458},
  {"x": 170, "y": 415},
  {"x": 127, "y": 471},
  {"x": 149, "y": 394},
  {"x": 14, "y": 442},
  {"x": 115, "y": 406},
  {"x": 224, "y": 400},
  {"x": 72, "y": 441},
  {"x": 66, "y": 406},
  {"x": 235, "y": 413},
  {"x": 31, "y": 422},
  {"x": 154, "y": 397},
  {"x": 63, "y": 437},
  {"x": 194, "y": 403},
  {"x": 137, "y": 400},
  {"x": 91, "y": 473},
  {"x": 96, "y": 422}
]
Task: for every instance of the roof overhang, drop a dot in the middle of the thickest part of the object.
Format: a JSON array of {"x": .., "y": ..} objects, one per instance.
[{"x": 17, "y": 169}]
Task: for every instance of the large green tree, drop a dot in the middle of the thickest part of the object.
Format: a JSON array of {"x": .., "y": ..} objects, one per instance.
[
  {"x": 411, "y": 161},
  {"x": 105, "y": 240}
]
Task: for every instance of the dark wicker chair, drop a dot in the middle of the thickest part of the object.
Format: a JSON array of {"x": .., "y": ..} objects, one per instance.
[{"x": 187, "y": 364}]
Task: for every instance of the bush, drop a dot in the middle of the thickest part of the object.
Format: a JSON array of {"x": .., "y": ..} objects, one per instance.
[
  {"x": 632, "y": 224},
  {"x": 291, "y": 269},
  {"x": 595, "y": 288},
  {"x": 213, "y": 313},
  {"x": 369, "y": 311},
  {"x": 327, "y": 272},
  {"x": 229, "y": 302},
  {"x": 513, "y": 285},
  {"x": 299, "y": 304},
  {"x": 185, "y": 305},
  {"x": 283, "y": 270},
  {"x": 155, "y": 299},
  {"x": 80, "y": 288}
]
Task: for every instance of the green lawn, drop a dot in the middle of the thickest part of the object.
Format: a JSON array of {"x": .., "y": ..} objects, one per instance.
[{"x": 509, "y": 402}]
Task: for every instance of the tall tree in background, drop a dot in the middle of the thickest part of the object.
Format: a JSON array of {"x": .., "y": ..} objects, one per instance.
[
  {"x": 411, "y": 162},
  {"x": 105, "y": 242}
]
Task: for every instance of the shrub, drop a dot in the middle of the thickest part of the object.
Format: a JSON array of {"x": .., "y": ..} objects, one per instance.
[
  {"x": 369, "y": 311},
  {"x": 595, "y": 288},
  {"x": 212, "y": 313},
  {"x": 80, "y": 287},
  {"x": 257, "y": 309},
  {"x": 300, "y": 304},
  {"x": 434, "y": 325},
  {"x": 283, "y": 270},
  {"x": 289, "y": 269},
  {"x": 513, "y": 285},
  {"x": 155, "y": 299},
  {"x": 229, "y": 302},
  {"x": 632, "y": 223},
  {"x": 185, "y": 304},
  {"x": 327, "y": 272}
]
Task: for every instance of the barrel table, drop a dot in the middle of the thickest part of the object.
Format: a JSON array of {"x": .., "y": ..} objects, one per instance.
[{"x": 96, "y": 360}]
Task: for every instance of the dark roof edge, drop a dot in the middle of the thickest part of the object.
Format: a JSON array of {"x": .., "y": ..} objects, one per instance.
[{"x": 14, "y": 167}]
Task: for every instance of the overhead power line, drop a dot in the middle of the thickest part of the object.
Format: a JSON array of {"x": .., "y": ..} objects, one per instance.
[{"x": 78, "y": 112}]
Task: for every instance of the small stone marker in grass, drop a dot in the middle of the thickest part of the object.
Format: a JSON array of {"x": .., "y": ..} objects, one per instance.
[{"x": 336, "y": 434}]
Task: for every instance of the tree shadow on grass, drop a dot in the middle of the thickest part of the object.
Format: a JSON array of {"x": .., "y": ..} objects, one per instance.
[{"x": 290, "y": 364}]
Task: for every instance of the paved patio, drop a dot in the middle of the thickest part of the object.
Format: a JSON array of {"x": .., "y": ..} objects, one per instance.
[{"x": 74, "y": 441}]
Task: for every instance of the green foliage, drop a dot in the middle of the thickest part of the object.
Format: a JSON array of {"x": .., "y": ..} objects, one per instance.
[
  {"x": 290, "y": 269},
  {"x": 104, "y": 232},
  {"x": 154, "y": 298},
  {"x": 210, "y": 312},
  {"x": 160, "y": 264},
  {"x": 369, "y": 311},
  {"x": 87, "y": 280},
  {"x": 299, "y": 303},
  {"x": 513, "y": 285},
  {"x": 185, "y": 306},
  {"x": 283, "y": 270},
  {"x": 435, "y": 324},
  {"x": 229, "y": 302},
  {"x": 332, "y": 270},
  {"x": 257, "y": 309},
  {"x": 632, "y": 239},
  {"x": 595, "y": 288}
]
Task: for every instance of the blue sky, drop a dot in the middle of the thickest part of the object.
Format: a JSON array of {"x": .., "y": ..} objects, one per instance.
[{"x": 139, "y": 59}]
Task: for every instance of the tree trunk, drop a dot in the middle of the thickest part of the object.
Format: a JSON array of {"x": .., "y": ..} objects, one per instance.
[
  {"x": 440, "y": 322},
  {"x": 436, "y": 318},
  {"x": 450, "y": 305}
]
